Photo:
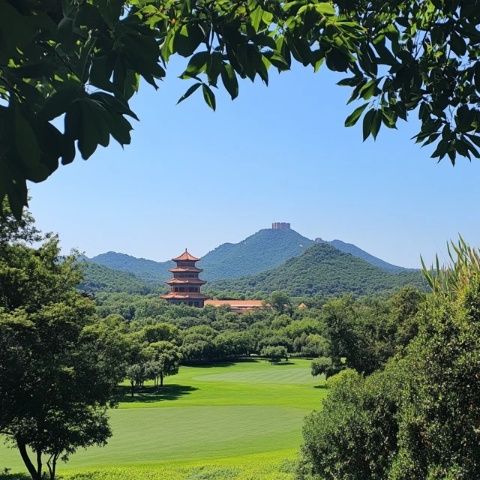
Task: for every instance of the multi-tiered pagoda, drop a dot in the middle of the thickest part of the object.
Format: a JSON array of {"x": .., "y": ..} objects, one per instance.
[{"x": 185, "y": 284}]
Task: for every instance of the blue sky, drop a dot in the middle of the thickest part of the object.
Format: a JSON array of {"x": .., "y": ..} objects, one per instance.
[{"x": 194, "y": 178}]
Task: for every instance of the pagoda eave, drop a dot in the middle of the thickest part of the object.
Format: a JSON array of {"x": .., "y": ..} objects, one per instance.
[
  {"x": 185, "y": 269},
  {"x": 186, "y": 281},
  {"x": 184, "y": 296}
]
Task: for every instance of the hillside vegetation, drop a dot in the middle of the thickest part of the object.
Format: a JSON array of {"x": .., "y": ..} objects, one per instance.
[
  {"x": 97, "y": 278},
  {"x": 362, "y": 254},
  {"x": 261, "y": 251},
  {"x": 322, "y": 270},
  {"x": 148, "y": 270}
]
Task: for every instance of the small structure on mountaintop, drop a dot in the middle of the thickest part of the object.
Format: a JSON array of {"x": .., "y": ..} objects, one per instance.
[
  {"x": 185, "y": 284},
  {"x": 280, "y": 226}
]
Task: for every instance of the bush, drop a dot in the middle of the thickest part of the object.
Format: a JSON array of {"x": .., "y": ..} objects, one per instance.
[{"x": 274, "y": 353}]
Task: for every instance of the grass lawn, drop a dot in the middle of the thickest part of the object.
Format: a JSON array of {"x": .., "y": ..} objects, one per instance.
[{"x": 228, "y": 421}]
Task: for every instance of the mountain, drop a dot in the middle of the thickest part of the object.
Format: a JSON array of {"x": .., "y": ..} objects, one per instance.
[
  {"x": 99, "y": 278},
  {"x": 362, "y": 254},
  {"x": 321, "y": 270},
  {"x": 148, "y": 270},
  {"x": 261, "y": 251}
]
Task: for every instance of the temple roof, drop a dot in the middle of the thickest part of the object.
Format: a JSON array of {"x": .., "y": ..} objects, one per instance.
[
  {"x": 185, "y": 269},
  {"x": 186, "y": 281},
  {"x": 185, "y": 256},
  {"x": 237, "y": 305},
  {"x": 184, "y": 295}
]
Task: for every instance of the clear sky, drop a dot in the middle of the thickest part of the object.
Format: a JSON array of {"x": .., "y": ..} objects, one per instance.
[{"x": 194, "y": 178}]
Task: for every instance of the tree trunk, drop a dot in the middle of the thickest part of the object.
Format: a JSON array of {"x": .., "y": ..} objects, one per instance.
[
  {"x": 161, "y": 379},
  {"x": 132, "y": 389},
  {"x": 52, "y": 466},
  {"x": 22, "y": 448},
  {"x": 39, "y": 464}
]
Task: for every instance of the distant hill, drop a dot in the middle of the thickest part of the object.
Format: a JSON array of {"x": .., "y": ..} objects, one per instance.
[
  {"x": 148, "y": 270},
  {"x": 321, "y": 270},
  {"x": 99, "y": 278},
  {"x": 261, "y": 251},
  {"x": 359, "y": 253}
]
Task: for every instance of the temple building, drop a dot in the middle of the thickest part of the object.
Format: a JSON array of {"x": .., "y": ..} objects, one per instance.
[
  {"x": 185, "y": 284},
  {"x": 237, "y": 306}
]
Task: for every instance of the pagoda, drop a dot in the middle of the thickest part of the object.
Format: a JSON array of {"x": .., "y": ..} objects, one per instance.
[{"x": 185, "y": 284}]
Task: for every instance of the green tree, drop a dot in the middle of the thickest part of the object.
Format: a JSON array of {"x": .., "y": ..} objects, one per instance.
[
  {"x": 57, "y": 371},
  {"x": 325, "y": 366},
  {"x": 82, "y": 62},
  {"x": 158, "y": 332},
  {"x": 417, "y": 418},
  {"x": 163, "y": 360},
  {"x": 280, "y": 302},
  {"x": 274, "y": 353}
]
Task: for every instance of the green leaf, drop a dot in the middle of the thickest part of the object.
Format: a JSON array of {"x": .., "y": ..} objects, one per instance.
[
  {"x": 120, "y": 129},
  {"x": 325, "y": 8},
  {"x": 352, "y": 119},
  {"x": 230, "y": 81},
  {"x": 278, "y": 61},
  {"x": 196, "y": 65},
  {"x": 27, "y": 146},
  {"x": 376, "y": 123},
  {"x": 214, "y": 67},
  {"x": 88, "y": 135},
  {"x": 367, "y": 123},
  {"x": 209, "y": 96},
  {"x": 256, "y": 18},
  {"x": 187, "y": 39},
  {"x": 189, "y": 92},
  {"x": 59, "y": 102},
  {"x": 337, "y": 60},
  {"x": 458, "y": 44},
  {"x": 368, "y": 90}
]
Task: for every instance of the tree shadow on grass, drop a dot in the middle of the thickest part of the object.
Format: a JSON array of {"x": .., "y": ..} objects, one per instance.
[
  {"x": 152, "y": 394},
  {"x": 6, "y": 475},
  {"x": 282, "y": 363},
  {"x": 225, "y": 363},
  {"x": 322, "y": 387},
  {"x": 211, "y": 364}
]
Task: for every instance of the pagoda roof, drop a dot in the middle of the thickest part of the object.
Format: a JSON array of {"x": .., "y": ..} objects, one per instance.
[
  {"x": 185, "y": 256},
  {"x": 185, "y": 295},
  {"x": 185, "y": 269},
  {"x": 186, "y": 281}
]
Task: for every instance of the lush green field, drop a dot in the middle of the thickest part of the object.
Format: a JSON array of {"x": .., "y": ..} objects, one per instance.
[{"x": 238, "y": 421}]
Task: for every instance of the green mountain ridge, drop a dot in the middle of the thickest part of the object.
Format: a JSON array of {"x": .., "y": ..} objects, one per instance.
[
  {"x": 362, "y": 254},
  {"x": 261, "y": 251},
  {"x": 98, "y": 278},
  {"x": 147, "y": 270},
  {"x": 255, "y": 265},
  {"x": 321, "y": 270}
]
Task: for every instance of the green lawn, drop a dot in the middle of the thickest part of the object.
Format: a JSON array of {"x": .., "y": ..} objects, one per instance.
[{"x": 238, "y": 421}]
